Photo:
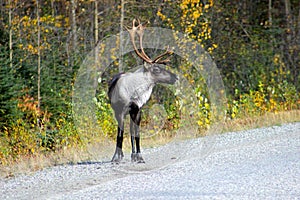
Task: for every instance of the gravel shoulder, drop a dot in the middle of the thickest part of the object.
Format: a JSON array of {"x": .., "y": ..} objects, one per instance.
[{"x": 260, "y": 163}]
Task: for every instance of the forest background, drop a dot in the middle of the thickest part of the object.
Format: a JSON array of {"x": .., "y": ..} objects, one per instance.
[{"x": 255, "y": 44}]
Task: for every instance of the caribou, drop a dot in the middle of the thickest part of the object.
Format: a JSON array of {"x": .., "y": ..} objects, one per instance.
[{"x": 129, "y": 92}]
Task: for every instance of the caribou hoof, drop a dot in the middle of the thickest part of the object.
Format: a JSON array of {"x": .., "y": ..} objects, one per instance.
[
  {"x": 118, "y": 156},
  {"x": 137, "y": 157}
]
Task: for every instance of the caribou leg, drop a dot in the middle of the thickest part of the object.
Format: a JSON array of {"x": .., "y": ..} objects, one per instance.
[
  {"x": 118, "y": 156},
  {"x": 135, "y": 119},
  {"x": 132, "y": 134}
]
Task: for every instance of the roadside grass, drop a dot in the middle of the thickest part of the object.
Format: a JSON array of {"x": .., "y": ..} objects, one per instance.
[
  {"x": 268, "y": 119},
  {"x": 230, "y": 125},
  {"x": 93, "y": 152}
]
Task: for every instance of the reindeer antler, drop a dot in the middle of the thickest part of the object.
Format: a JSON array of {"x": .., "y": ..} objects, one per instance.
[
  {"x": 139, "y": 29},
  {"x": 157, "y": 59}
]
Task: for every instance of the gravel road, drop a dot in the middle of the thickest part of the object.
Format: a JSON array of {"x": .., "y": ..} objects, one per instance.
[{"x": 261, "y": 163}]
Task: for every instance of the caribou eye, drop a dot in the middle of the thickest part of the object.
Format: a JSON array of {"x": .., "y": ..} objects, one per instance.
[{"x": 156, "y": 70}]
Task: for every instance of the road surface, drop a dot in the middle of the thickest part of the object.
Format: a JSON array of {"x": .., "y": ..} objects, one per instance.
[{"x": 261, "y": 163}]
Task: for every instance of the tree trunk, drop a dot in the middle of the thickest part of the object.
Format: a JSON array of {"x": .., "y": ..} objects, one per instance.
[
  {"x": 96, "y": 41},
  {"x": 74, "y": 26},
  {"x": 39, "y": 56},
  {"x": 270, "y": 24},
  {"x": 52, "y": 8},
  {"x": 121, "y": 37},
  {"x": 289, "y": 19},
  {"x": 10, "y": 34},
  {"x": 291, "y": 42},
  {"x": 96, "y": 23},
  {"x": 270, "y": 14}
]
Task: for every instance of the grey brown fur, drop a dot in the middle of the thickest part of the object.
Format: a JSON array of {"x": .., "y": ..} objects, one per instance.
[{"x": 128, "y": 92}]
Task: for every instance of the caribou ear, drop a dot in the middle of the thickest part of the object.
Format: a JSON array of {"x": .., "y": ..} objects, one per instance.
[{"x": 147, "y": 66}]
